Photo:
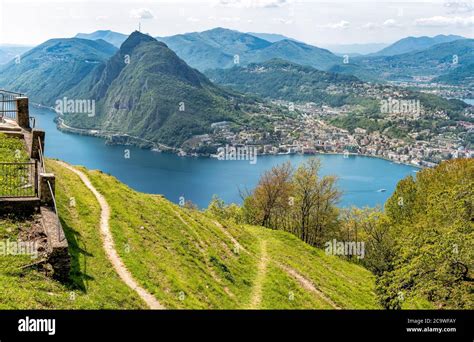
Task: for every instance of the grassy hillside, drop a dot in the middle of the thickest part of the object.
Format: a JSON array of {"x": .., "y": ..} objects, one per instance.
[
  {"x": 94, "y": 283},
  {"x": 185, "y": 258},
  {"x": 188, "y": 260}
]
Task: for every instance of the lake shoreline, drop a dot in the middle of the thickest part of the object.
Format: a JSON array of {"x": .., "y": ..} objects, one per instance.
[
  {"x": 197, "y": 179},
  {"x": 110, "y": 136}
]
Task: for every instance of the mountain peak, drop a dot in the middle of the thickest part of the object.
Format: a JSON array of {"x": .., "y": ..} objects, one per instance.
[
  {"x": 135, "y": 39},
  {"x": 220, "y": 29}
]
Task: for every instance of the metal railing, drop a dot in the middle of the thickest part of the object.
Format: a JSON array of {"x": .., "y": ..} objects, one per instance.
[
  {"x": 41, "y": 156},
  {"x": 18, "y": 180},
  {"x": 8, "y": 108},
  {"x": 42, "y": 168},
  {"x": 32, "y": 122}
]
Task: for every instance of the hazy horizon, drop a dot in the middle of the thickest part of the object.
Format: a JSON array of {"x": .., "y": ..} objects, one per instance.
[{"x": 318, "y": 23}]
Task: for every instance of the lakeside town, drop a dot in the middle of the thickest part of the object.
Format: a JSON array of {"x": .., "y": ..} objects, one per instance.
[
  {"x": 282, "y": 127},
  {"x": 309, "y": 132}
]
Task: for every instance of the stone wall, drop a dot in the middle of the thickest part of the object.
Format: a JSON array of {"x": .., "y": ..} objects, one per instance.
[
  {"x": 58, "y": 250},
  {"x": 19, "y": 207}
]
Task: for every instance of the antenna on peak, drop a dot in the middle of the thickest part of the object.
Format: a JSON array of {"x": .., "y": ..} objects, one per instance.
[{"x": 139, "y": 26}]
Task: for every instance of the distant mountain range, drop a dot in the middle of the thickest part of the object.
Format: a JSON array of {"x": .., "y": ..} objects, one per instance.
[
  {"x": 355, "y": 49},
  {"x": 214, "y": 48},
  {"x": 47, "y": 71},
  {"x": 283, "y": 80},
  {"x": 223, "y": 48},
  {"x": 149, "y": 88},
  {"x": 412, "y": 44},
  {"x": 111, "y": 37},
  {"x": 435, "y": 61}
]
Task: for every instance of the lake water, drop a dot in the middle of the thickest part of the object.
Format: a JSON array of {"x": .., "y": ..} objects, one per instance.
[
  {"x": 469, "y": 101},
  {"x": 197, "y": 179}
]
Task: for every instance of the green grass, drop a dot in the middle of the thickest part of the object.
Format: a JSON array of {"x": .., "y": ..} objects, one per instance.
[
  {"x": 346, "y": 284},
  {"x": 12, "y": 150},
  {"x": 181, "y": 256},
  {"x": 171, "y": 258},
  {"x": 185, "y": 265},
  {"x": 94, "y": 283}
]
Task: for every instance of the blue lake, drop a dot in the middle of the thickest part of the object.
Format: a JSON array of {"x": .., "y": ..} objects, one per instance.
[
  {"x": 469, "y": 101},
  {"x": 197, "y": 179}
]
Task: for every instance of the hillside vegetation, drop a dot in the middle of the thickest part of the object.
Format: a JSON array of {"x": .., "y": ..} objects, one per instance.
[
  {"x": 419, "y": 247},
  {"x": 185, "y": 258},
  {"x": 94, "y": 283},
  {"x": 188, "y": 259},
  {"x": 279, "y": 79},
  {"x": 432, "y": 225},
  {"x": 147, "y": 91},
  {"x": 46, "y": 72},
  {"x": 12, "y": 150}
]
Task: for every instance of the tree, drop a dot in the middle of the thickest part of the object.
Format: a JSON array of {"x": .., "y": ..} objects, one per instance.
[
  {"x": 434, "y": 230},
  {"x": 270, "y": 197},
  {"x": 298, "y": 201},
  {"x": 218, "y": 209},
  {"x": 315, "y": 201}
]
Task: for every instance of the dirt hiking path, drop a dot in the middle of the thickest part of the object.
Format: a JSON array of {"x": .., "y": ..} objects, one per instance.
[{"x": 109, "y": 244}]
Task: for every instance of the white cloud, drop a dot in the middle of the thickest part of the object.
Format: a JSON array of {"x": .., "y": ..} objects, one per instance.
[
  {"x": 230, "y": 19},
  {"x": 253, "y": 3},
  {"x": 440, "y": 21},
  {"x": 192, "y": 19},
  {"x": 141, "y": 13},
  {"x": 343, "y": 24},
  {"x": 283, "y": 21},
  {"x": 101, "y": 17},
  {"x": 459, "y": 6},
  {"x": 390, "y": 23},
  {"x": 370, "y": 26}
]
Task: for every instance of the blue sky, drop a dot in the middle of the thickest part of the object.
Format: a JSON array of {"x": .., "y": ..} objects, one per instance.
[{"x": 315, "y": 22}]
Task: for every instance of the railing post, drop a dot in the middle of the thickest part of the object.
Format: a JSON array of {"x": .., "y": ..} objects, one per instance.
[
  {"x": 46, "y": 194},
  {"x": 36, "y": 178},
  {"x": 23, "y": 112},
  {"x": 37, "y": 136}
]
